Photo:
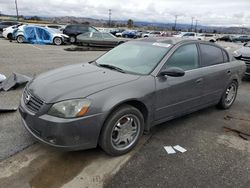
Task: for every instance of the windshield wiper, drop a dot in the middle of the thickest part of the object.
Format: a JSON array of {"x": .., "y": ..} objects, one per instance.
[{"x": 111, "y": 67}]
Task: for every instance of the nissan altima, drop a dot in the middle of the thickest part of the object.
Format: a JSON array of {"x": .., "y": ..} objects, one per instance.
[{"x": 112, "y": 100}]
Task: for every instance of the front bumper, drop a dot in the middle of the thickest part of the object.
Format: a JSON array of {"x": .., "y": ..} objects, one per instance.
[{"x": 66, "y": 134}]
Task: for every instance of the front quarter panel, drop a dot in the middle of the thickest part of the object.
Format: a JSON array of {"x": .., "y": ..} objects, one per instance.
[{"x": 141, "y": 90}]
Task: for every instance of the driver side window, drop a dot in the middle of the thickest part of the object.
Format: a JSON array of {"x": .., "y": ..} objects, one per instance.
[{"x": 185, "y": 57}]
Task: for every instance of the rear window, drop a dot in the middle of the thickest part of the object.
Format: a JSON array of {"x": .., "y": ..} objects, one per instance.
[{"x": 210, "y": 55}]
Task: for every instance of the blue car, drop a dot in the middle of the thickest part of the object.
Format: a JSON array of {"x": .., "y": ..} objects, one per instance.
[
  {"x": 129, "y": 34},
  {"x": 39, "y": 35}
]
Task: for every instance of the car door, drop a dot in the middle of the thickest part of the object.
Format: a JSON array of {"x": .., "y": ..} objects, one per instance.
[
  {"x": 43, "y": 36},
  {"x": 178, "y": 95},
  {"x": 216, "y": 70},
  {"x": 96, "y": 39},
  {"x": 30, "y": 34},
  {"x": 108, "y": 39}
]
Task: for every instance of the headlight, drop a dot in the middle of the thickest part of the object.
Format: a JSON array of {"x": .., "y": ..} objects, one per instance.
[
  {"x": 70, "y": 108},
  {"x": 236, "y": 53}
]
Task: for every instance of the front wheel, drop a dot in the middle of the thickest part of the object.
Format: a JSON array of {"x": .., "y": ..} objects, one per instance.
[
  {"x": 122, "y": 130},
  {"x": 229, "y": 96},
  {"x": 57, "y": 41},
  {"x": 72, "y": 39},
  {"x": 20, "y": 39}
]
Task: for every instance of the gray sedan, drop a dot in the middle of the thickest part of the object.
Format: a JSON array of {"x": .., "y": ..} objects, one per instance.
[
  {"x": 100, "y": 39},
  {"x": 111, "y": 101}
]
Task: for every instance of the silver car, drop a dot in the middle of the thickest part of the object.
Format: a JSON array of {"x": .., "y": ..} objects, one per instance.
[
  {"x": 111, "y": 101},
  {"x": 244, "y": 55}
]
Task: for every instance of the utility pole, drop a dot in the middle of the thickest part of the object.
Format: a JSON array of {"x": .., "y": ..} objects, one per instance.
[
  {"x": 110, "y": 13},
  {"x": 192, "y": 23},
  {"x": 17, "y": 16},
  {"x": 196, "y": 22},
  {"x": 175, "y": 22}
]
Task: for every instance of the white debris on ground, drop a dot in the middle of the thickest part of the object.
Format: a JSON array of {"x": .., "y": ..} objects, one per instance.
[
  {"x": 2, "y": 77},
  {"x": 171, "y": 150}
]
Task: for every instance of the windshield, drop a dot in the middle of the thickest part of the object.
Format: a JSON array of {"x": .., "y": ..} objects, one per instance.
[{"x": 135, "y": 57}]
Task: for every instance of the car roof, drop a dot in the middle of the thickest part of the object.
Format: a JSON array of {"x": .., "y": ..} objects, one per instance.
[
  {"x": 174, "y": 40},
  {"x": 167, "y": 40}
]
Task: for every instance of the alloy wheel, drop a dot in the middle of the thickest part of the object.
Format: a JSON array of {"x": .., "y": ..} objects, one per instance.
[{"x": 125, "y": 132}]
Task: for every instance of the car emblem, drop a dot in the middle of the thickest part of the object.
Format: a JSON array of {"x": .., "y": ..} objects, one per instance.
[{"x": 27, "y": 99}]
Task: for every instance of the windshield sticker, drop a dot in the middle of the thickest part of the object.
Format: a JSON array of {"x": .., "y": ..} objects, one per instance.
[{"x": 162, "y": 44}]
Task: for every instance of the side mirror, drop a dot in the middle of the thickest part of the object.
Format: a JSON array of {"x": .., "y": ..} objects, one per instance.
[{"x": 173, "y": 71}]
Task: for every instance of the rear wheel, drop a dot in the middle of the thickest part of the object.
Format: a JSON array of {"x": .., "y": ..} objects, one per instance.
[
  {"x": 57, "y": 41},
  {"x": 20, "y": 39},
  {"x": 72, "y": 39},
  {"x": 122, "y": 130},
  {"x": 229, "y": 95},
  {"x": 9, "y": 36}
]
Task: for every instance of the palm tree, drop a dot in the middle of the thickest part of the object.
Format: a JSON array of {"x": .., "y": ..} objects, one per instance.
[{"x": 130, "y": 23}]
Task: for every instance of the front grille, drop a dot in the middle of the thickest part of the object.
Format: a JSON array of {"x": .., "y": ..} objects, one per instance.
[
  {"x": 32, "y": 102},
  {"x": 245, "y": 58}
]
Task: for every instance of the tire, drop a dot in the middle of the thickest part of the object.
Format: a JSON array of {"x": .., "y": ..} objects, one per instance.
[
  {"x": 20, "y": 39},
  {"x": 211, "y": 41},
  {"x": 72, "y": 39},
  {"x": 9, "y": 36},
  {"x": 124, "y": 122},
  {"x": 229, "y": 96},
  {"x": 57, "y": 41}
]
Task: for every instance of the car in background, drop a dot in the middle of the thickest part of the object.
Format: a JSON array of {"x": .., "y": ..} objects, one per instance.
[
  {"x": 152, "y": 34},
  {"x": 57, "y": 28},
  {"x": 129, "y": 34},
  {"x": 7, "y": 24},
  {"x": 116, "y": 31},
  {"x": 8, "y": 31},
  {"x": 244, "y": 55},
  {"x": 112, "y": 100},
  {"x": 73, "y": 30},
  {"x": 99, "y": 39},
  {"x": 242, "y": 38},
  {"x": 226, "y": 38},
  {"x": 39, "y": 35},
  {"x": 187, "y": 35},
  {"x": 206, "y": 37}
]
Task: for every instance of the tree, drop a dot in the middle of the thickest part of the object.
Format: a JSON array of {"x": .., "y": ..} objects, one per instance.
[{"x": 130, "y": 23}]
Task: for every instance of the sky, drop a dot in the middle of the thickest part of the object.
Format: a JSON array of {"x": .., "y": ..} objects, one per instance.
[{"x": 207, "y": 12}]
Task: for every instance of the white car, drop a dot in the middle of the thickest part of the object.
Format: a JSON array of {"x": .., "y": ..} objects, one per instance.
[
  {"x": 207, "y": 37},
  {"x": 189, "y": 35},
  {"x": 7, "y": 32},
  {"x": 39, "y": 35},
  {"x": 152, "y": 34}
]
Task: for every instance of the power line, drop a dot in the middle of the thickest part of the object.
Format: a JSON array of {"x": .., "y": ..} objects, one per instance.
[
  {"x": 175, "y": 22},
  {"x": 17, "y": 16},
  {"x": 192, "y": 23},
  {"x": 110, "y": 13},
  {"x": 196, "y": 23}
]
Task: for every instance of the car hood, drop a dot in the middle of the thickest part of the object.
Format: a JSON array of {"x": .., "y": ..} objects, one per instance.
[
  {"x": 76, "y": 81},
  {"x": 244, "y": 51}
]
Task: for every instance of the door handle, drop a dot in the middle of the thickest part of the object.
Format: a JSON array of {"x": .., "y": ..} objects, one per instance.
[
  {"x": 199, "y": 80},
  {"x": 229, "y": 72}
]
